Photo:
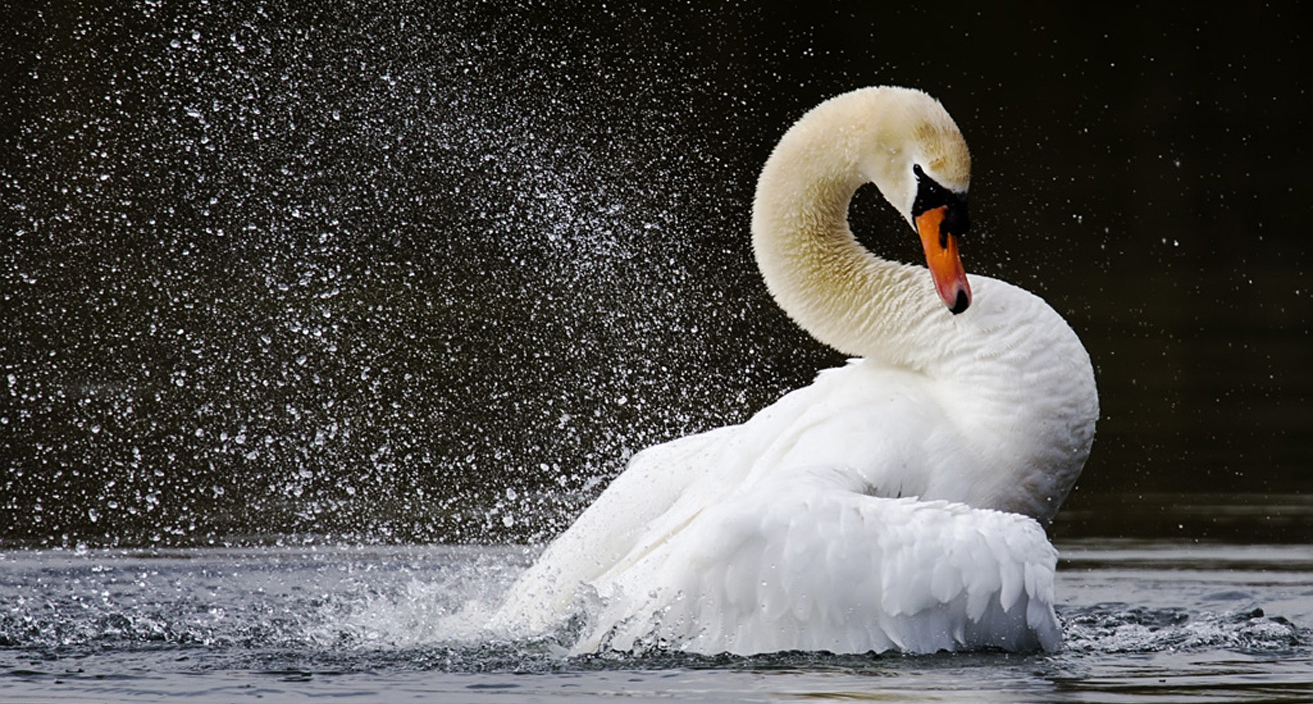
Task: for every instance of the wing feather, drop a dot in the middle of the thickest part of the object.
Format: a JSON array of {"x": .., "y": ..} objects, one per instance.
[{"x": 920, "y": 576}]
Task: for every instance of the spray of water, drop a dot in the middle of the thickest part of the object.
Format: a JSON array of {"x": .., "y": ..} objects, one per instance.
[{"x": 429, "y": 275}]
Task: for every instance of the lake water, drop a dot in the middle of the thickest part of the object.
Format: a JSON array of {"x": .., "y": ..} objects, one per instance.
[{"x": 1144, "y": 620}]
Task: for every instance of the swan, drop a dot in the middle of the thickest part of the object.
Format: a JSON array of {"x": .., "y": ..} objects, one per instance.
[{"x": 897, "y": 503}]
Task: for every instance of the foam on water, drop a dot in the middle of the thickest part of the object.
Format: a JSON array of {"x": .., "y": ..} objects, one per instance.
[{"x": 1120, "y": 628}]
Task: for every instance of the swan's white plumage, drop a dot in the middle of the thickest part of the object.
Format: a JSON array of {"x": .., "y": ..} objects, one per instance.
[{"x": 892, "y": 504}]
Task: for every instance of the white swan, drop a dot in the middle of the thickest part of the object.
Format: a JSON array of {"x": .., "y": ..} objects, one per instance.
[{"x": 893, "y": 504}]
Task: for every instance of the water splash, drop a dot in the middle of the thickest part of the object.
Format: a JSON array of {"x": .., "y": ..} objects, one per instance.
[
  {"x": 1122, "y": 628},
  {"x": 278, "y": 269}
]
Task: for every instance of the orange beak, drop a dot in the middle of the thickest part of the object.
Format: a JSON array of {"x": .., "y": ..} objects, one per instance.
[{"x": 941, "y": 257}]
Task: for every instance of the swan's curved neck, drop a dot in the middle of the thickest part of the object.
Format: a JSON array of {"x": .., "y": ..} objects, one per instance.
[
  {"x": 1014, "y": 382},
  {"x": 826, "y": 281}
]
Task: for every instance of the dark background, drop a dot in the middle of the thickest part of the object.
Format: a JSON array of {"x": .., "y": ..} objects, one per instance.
[{"x": 403, "y": 271}]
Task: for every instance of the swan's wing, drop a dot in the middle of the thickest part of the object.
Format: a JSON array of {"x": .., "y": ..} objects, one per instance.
[
  {"x": 605, "y": 533},
  {"x": 726, "y": 541},
  {"x": 661, "y": 490},
  {"x": 819, "y": 568}
]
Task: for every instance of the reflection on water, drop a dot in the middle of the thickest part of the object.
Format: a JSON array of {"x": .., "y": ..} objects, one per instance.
[
  {"x": 1143, "y": 621},
  {"x": 1189, "y": 516}
]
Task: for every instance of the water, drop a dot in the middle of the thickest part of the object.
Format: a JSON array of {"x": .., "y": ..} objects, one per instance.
[{"x": 1143, "y": 621}]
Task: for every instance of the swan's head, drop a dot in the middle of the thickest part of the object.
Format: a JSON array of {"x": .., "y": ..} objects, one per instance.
[
  {"x": 909, "y": 147},
  {"x": 919, "y": 160}
]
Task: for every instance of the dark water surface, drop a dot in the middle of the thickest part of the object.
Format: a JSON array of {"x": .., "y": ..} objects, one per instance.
[{"x": 1164, "y": 620}]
